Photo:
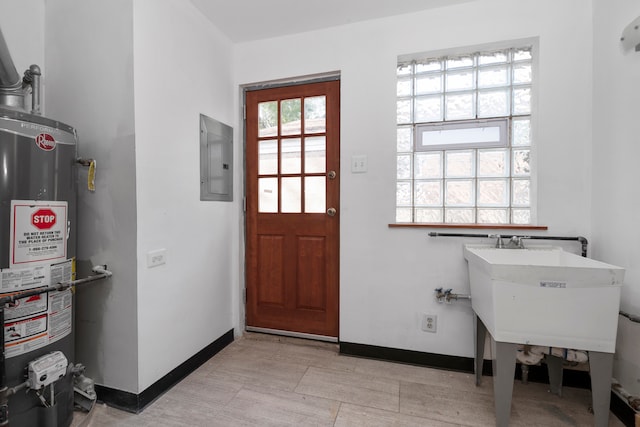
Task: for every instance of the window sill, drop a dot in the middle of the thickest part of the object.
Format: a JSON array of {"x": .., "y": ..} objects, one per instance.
[{"x": 469, "y": 226}]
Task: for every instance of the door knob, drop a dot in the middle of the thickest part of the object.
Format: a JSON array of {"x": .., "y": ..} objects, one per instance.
[
  {"x": 331, "y": 175},
  {"x": 331, "y": 211}
]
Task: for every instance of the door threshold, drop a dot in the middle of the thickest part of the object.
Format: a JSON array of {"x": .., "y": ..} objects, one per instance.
[{"x": 291, "y": 334}]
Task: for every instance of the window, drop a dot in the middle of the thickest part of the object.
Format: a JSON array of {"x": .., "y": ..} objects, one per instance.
[{"x": 464, "y": 138}]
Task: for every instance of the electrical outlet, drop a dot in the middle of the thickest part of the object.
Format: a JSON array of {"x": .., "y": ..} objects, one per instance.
[
  {"x": 156, "y": 258},
  {"x": 429, "y": 322}
]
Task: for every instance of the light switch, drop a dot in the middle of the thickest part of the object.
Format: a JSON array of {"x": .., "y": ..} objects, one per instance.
[{"x": 358, "y": 164}]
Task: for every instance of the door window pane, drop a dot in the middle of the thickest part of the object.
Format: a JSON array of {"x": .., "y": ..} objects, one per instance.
[
  {"x": 268, "y": 118},
  {"x": 290, "y": 117},
  {"x": 267, "y": 195},
  {"x": 315, "y": 194},
  {"x": 268, "y": 157},
  {"x": 290, "y": 157},
  {"x": 315, "y": 114},
  {"x": 291, "y": 195},
  {"x": 315, "y": 154}
]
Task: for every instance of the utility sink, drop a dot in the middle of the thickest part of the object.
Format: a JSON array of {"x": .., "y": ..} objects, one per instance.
[
  {"x": 548, "y": 297},
  {"x": 545, "y": 296}
]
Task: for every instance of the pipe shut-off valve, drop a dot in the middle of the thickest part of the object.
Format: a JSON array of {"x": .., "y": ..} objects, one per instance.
[{"x": 447, "y": 295}]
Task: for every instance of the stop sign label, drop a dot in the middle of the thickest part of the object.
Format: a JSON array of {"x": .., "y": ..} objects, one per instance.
[{"x": 43, "y": 219}]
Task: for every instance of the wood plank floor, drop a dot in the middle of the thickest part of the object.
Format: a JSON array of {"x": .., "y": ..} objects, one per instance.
[{"x": 264, "y": 380}]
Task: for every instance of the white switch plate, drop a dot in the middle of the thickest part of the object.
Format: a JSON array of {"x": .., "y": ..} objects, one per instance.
[
  {"x": 156, "y": 258},
  {"x": 359, "y": 164}
]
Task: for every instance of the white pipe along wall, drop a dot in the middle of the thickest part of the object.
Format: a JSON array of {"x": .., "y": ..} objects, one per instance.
[{"x": 387, "y": 275}]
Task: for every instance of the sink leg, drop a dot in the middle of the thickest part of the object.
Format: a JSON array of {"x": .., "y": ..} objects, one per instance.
[
  {"x": 481, "y": 333},
  {"x": 601, "y": 369},
  {"x": 504, "y": 366},
  {"x": 554, "y": 368}
]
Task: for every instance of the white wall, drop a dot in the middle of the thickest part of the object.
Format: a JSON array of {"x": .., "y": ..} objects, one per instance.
[
  {"x": 138, "y": 326},
  {"x": 22, "y": 24},
  {"x": 182, "y": 68},
  {"x": 388, "y": 275},
  {"x": 89, "y": 56},
  {"x": 616, "y": 205}
]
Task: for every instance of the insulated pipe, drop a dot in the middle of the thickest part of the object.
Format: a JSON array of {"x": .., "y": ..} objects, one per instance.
[{"x": 583, "y": 241}]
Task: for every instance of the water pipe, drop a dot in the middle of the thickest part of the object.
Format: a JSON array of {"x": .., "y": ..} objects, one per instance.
[{"x": 583, "y": 241}]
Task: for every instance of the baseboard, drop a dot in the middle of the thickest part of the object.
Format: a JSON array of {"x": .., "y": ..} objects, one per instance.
[
  {"x": 537, "y": 374},
  {"x": 135, "y": 403},
  {"x": 623, "y": 411}
]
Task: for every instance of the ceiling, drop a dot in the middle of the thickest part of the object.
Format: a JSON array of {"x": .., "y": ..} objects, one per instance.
[{"x": 246, "y": 20}]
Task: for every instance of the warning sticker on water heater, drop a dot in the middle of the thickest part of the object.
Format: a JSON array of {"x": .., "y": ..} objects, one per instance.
[
  {"x": 38, "y": 231},
  {"x": 37, "y": 321}
]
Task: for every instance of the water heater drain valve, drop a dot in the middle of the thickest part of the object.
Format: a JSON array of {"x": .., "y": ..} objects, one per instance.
[{"x": 47, "y": 369}]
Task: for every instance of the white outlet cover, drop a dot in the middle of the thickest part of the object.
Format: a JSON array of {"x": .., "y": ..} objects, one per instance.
[
  {"x": 359, "y": 164},
  {"x": 156, "y": 258}
]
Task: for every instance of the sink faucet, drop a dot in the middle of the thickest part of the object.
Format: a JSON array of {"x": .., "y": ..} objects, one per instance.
[
  {"x": 516, "y": 242},
  {"x": 499, "y": 243}
]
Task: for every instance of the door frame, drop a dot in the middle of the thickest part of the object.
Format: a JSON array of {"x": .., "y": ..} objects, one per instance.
[{"x": 242, "y": 303}]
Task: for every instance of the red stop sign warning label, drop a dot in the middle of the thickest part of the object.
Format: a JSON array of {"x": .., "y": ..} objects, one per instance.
[{"x": 43, "y": 219}]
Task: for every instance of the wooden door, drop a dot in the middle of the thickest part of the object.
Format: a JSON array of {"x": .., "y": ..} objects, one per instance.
[{"x": 292, "y": 189}]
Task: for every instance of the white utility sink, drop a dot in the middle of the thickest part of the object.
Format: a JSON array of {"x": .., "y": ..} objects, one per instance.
[{"x": 545, "y": 296}]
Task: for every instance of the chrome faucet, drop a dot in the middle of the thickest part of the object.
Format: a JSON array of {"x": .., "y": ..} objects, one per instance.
[
  {"x": 499, "y": 243},
  {"x": 516, "y": 242}
]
